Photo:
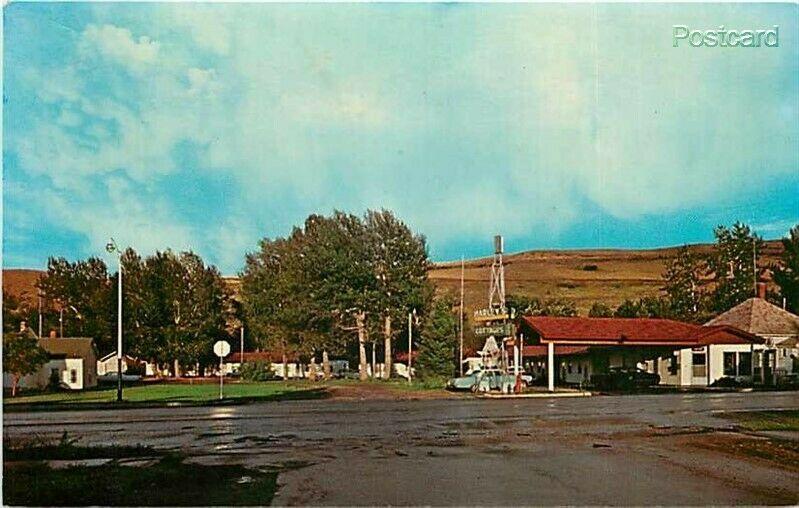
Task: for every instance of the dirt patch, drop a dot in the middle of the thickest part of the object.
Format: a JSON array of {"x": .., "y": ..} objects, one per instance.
[
  {"x": 376, "y": 391},
  {"x": 777, "y": 452}
]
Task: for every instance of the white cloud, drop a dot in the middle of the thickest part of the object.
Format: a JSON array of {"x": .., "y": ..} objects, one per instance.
[{"x": 119, "y": 45}]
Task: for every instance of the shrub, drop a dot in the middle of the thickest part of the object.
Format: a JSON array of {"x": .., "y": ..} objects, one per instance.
[
  {"x": 590, "y": 268},
  {"x": 257, "y": 371}
]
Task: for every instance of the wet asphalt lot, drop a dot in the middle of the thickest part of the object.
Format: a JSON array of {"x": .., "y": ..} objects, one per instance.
[{"x": 607, "y": 450}]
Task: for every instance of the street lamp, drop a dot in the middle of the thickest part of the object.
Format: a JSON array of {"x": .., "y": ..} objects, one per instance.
[{"x": 111, "y": 247}]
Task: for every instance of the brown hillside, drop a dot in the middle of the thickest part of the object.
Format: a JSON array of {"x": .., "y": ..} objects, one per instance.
[
  {"x": 21, "y": 283},
  {"x": 619, "y": 274}
]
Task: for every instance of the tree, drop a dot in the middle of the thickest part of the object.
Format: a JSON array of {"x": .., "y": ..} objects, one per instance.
[
  {"x": 599, "y": 309},
  {"x": 175, "y": 307},
  {"x": 786, "y": 273},
  {"x": 86, "y": 296},
  {"x": 22, "y": 356},
  {"x": 399, "y": 261},
  {"x": 646, "y": 307},
  {"x": 682, "y": 282},
  {"x": 731, "y": 265},
  {"x": 531, "y": 306},
  {"x": 15, "y": 311},
  {"x": 438, "y": 341}
]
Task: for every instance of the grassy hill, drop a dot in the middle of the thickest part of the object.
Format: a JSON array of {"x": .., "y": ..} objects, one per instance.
[{"x": 582, "y": 276}]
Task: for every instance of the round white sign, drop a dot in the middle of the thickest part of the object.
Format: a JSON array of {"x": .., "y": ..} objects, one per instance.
[{"x": 221, "y": 348}]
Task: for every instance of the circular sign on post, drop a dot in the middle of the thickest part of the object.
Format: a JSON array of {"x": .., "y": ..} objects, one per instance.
[{"x": 221, "y": 348}]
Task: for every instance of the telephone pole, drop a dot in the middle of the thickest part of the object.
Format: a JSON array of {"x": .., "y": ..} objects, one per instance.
[{"x": 460, "y": 323}]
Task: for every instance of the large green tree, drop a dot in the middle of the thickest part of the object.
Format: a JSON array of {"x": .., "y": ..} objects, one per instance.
[
  {"x": 682, "y": 279},
  {"x": 786, "y": 272},
  {"x": 175, "y": 308},
  {"x": 84, "y": 293},
  {"x": 731, "y": 265},
  {"x": 22, "y": 356},
  {"x": 334, "y": 276},
  {"x": 438, "y": 340},
  {"x": 398, "y": 259}
]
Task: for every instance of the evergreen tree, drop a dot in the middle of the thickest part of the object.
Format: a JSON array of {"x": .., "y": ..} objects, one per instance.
[
  {"x": 786, "y": 273},
  {"x": 599, "y": 309},
  {"x": 531, "y": 306},
  {"x": 438, "y": 341}
]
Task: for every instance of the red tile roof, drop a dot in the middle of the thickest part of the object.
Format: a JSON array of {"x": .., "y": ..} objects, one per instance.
[{"x": 629, "y": 331}]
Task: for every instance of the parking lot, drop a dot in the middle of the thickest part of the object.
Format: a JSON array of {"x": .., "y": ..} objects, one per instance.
[{"x": 638, "y": 449}]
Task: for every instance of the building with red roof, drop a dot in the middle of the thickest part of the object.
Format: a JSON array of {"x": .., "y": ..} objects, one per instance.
[{"x": 572, "y": 349}]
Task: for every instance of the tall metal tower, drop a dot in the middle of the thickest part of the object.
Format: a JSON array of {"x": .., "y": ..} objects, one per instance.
[{"x": 496, "y": 295}]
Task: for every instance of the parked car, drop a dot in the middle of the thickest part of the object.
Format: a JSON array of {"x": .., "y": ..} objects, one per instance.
[
  {"x": 625, "y": 378},
  {"x": 486, "y": 380}
]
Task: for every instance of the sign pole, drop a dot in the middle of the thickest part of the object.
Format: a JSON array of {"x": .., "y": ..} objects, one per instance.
[
  {"x": 221, "y": 349},
  {"x": 410, "y": 344}
]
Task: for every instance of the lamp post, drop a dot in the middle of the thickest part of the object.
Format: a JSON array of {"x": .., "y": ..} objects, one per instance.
[{"x": 111, "y": 247}]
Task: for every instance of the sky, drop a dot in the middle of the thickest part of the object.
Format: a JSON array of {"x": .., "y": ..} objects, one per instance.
[{"x": 210, "y": 126}]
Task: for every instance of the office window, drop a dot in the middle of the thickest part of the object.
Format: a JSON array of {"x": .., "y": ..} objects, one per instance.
[
  {"x": 744, "y": 364},
  {"x": 674, "y": 364},
  {"x": 729, "y": 364}
]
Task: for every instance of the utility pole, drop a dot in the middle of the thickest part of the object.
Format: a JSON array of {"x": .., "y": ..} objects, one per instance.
[
  {"x": 40, "y": 314},
  {"x": 241, "y": 359},
  {"x": 460, "y": 323},
  {"x": 754, "y": 262},
  {"x": 111, "y": 247}
]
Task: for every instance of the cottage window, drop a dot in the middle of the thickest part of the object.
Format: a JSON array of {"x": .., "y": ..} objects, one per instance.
[
  {"x": 73, "y": 376},
  {"x": 729, "y": 364}
]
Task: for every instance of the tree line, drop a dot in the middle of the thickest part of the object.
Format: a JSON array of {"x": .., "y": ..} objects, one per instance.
[
  {"x": 697, "y": 287},
  {"x": 338, "y": 284},
  {"x": 174, "y": 306}
]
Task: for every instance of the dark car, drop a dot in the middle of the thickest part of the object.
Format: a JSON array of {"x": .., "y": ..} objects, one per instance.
[{"x": 625, "y": 378}]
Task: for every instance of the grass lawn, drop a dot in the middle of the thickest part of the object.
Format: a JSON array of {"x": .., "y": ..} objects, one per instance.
[
  {"x": 766, "y": 420},
  {"x": 154, "y": 393}
]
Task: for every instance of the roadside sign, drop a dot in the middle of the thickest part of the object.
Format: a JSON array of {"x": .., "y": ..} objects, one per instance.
[
  {"x": 502, "y": 330},
  {"x": 221, "y": 348}
]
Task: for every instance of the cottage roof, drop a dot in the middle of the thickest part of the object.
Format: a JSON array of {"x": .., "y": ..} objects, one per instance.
[
  {"x": 760, "y": 317},
  {"x": 72, "y": 347}
]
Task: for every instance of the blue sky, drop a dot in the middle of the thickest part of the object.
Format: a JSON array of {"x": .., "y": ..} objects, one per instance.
[{"x": 207, "y": 127}]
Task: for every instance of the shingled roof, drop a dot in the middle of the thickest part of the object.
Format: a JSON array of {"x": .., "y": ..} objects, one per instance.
[
  {"x": 70, "y": 347},
  {"x": 759, "y": 317}
]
